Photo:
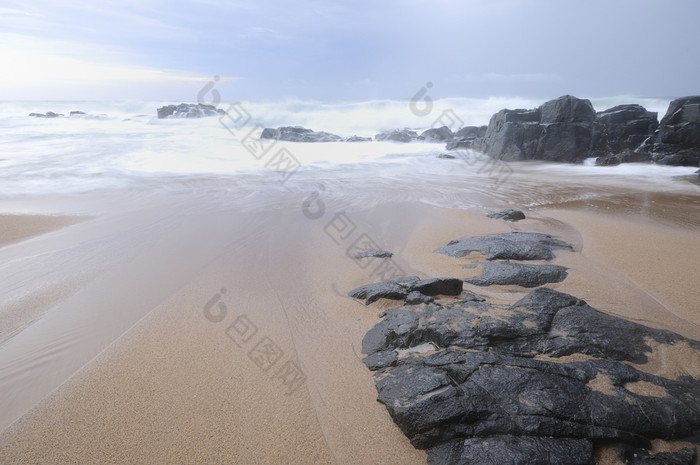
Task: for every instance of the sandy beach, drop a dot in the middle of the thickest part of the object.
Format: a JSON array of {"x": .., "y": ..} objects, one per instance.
[{"x": 203, "y": 332}]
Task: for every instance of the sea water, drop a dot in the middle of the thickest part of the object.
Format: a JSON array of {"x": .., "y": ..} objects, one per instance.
[{"x": 123, "y": 145}]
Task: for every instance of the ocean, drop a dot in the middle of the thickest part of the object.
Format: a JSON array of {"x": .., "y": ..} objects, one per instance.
[{"x": 123, "y": 145}]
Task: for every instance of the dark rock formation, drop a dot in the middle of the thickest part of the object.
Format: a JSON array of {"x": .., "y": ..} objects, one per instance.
[
  {"x": 298, "y": 134},
  {"x": 619, "y": 131},
  {"x": 559, "y": 130},
  {"x": 507, "y": 215},
  {"x": 397, "y": 135},
  {"x": 374, "y": 253},
  {"x": 443, "y": 134},
  {"x": 37, "y": 115},
  {"x": 568, "y": 130},
  {"x": 189, "y": 110},
  {"x": 677, "y": 142},
  {"x": 77, "y": 113},
  {"x": 446, "y": 156},
  {"x": 507, "y": 246},
  {"x": 520, "y": 274},
  {"x": 542, "y": 381},
  {"x": 399, "y": 289}
]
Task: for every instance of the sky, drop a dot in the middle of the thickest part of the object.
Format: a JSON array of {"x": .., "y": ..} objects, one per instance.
[{"x": 168, "y": 50}]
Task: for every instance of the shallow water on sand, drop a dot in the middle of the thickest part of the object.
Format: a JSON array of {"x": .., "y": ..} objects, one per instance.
[{"x": 93, "y": 280}]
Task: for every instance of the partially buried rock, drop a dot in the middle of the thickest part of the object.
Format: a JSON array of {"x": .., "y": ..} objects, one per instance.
[
  {"x": 507, "y": 215},
  {"x": 374, "y": 253},
  {"x": 507, "y": 246},
  {"x": 543, "y": 381},
  {"x": 519, "y": 274},
  {"x": 399, "y": 289}
]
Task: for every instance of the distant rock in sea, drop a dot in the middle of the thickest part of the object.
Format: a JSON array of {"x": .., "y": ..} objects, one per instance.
[
  {"x": 442, "y": 134},
  {"x": 397, "y": 135},
  {"x": 189, "y": 110},
  {"x": 299, "y": 134},
  {"x": 73, "y": 115},
  {"x": 48, "y": 114}
]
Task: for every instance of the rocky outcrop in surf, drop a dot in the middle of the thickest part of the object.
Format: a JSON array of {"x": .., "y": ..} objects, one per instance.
[
  {"x": 569, "y": 130},
  {"x": 189, "y": 110}
]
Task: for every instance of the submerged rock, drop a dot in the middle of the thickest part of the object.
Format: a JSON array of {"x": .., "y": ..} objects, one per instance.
[
  {"x": 189, "y": 110},
  {"x": 507, "y": 246},
  {"x": 519, "y": 274},
  {"x": 542, "y": 381},
  {"x": 443, "y": 134},
  {"x": 507, "y": 215},
  {"x": 298, "y": 134}
]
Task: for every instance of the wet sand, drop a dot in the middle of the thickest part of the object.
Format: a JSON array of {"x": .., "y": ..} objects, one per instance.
[{"x": 225, "y": 335}]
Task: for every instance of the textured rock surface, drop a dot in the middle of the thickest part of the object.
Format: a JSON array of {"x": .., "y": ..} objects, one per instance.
[
  {"x": 507, "y": 246},
  {"x": 519, "y": 274},
  {"x": 507, "y": 215},
  {"x": 298, "y": 134},
  {"x": 677, "y": 141},
  {"x": 559, "y": 130},
  {"x": 622, "y": 129},
  {"x": 511, "y": 450},
  {"x": 546, "y": 377}
]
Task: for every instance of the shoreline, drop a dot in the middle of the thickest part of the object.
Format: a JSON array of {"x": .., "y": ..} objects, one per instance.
[{"x": 173, "y": 385}]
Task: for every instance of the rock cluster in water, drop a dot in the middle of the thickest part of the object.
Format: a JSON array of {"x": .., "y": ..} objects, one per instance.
[
  {"x": 566, "y": 129},
  {"x": 189, "y": 110},
  {"x": 569, "y": 130}
]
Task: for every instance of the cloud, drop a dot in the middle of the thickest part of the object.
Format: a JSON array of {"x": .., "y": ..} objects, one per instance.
[{"x": 29, "y": 65}]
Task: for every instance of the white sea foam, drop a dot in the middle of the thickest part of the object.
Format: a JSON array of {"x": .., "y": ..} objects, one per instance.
[{"x": 119, "y": 143}]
